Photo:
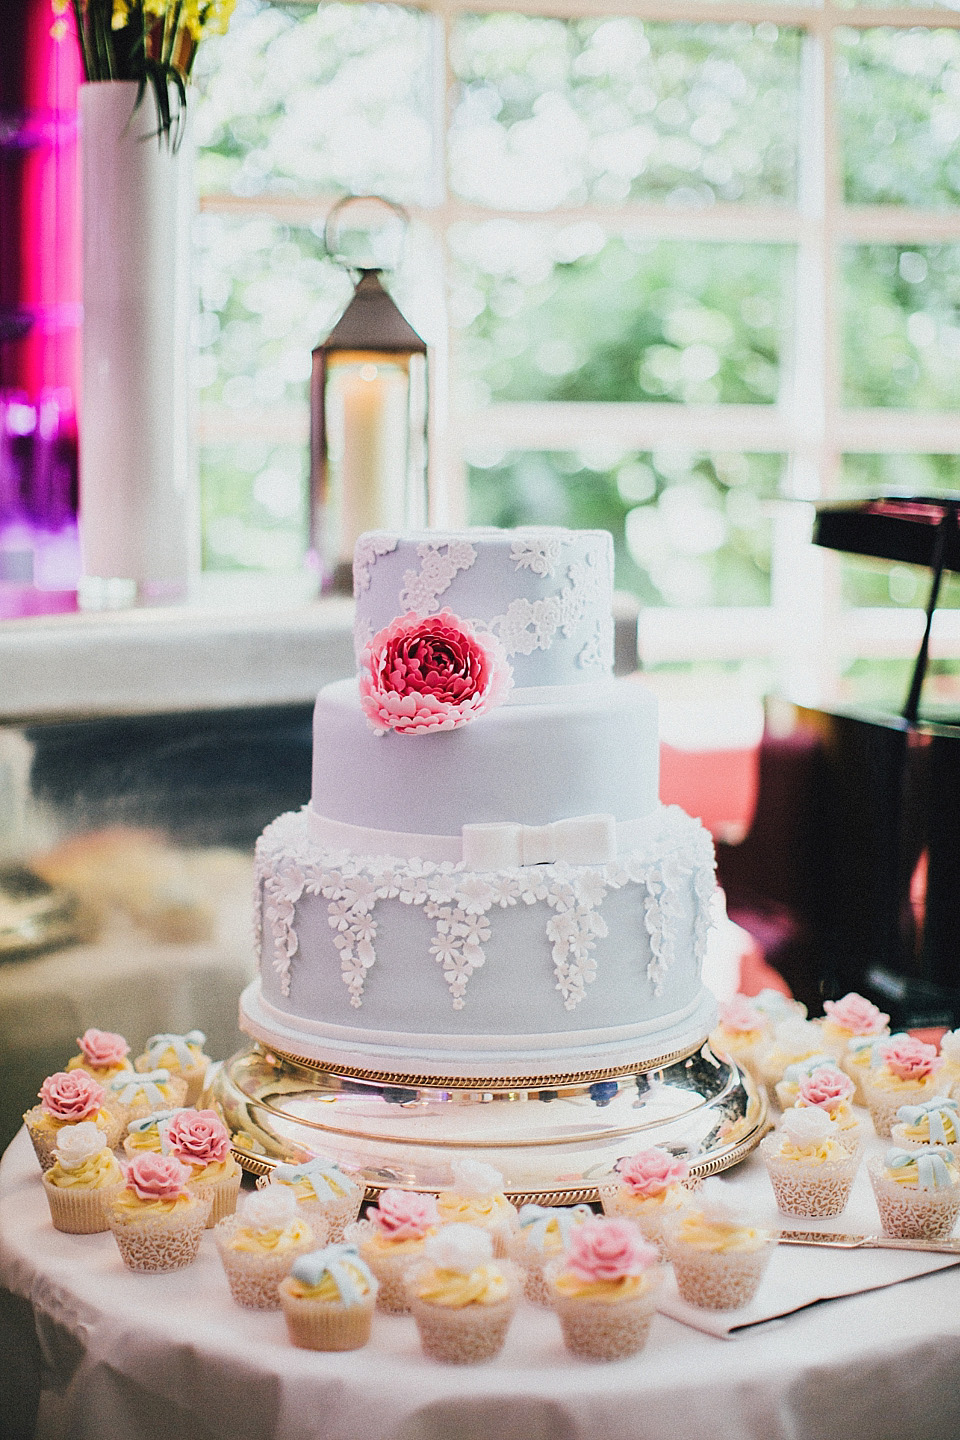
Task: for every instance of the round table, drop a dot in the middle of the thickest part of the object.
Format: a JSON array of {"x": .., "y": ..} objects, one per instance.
[{"x": 171, "y": 1357}]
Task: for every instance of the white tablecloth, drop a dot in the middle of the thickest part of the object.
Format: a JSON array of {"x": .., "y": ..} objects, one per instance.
[{"x": 170, "y": 1357}]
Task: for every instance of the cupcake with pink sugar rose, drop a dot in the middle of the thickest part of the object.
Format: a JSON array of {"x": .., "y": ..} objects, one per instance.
[
  {"x": 863, "y": 1055},
  {"x": 907, "y": 1073},
  {"x": 787, "y": 1089},
  {"x": 476, "y": 1198},
  {"x": 810, "y": 1168},
  {"x": 84, "y": 1171},
  {"x": 649, "y": 1190},
  {"x": 793, "y": 1040},
  {"x": 156, "y": 1219},
  {"x": 66, "y": 1098},
  {"x": 604, "y": 1289},
  {"x": 103, "y": 1054},
  {"x": 259, "y": 1243},
  {"x": 150, "y": 1133},
  {"x": 831, "y": 1090},
  {"x": 543, "y": 1233},
  {"x": 328, "y": 1299},
  {"x": 932, "y": 1122},
  {"x": 719, "y": 1250},
  {"x": 180, "y": 1054},
  {"x": 130, "y": 1095},
  {"x": 461, "y": 1297},
  {"x": 950, "y": 1063},
  {"x": 917, "y": 1192},
  {"x": 851, "y": 1018},
  {"x": 200, "y": 1139},
  {"x": 741, "y": 1032},
  {"x": 390, "y": 1239},
  {"x": 327, "y": 1195}
]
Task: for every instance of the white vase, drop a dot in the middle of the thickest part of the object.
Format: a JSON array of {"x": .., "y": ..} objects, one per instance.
[{"x": 139, "y": 522}]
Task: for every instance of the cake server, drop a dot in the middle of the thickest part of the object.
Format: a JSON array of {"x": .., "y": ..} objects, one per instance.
[{"x": 867, "y": 1242}]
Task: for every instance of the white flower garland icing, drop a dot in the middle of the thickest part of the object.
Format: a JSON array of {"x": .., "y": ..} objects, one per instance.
[
  {"x": 366, "y": 553},
  {"x": 530, "y": 625},
  {"x": 539, "y": 553},
  {"x": 422, "y": 589},
  {"x": 599, "y": 648},
  {"x": 290, "y": 864}
]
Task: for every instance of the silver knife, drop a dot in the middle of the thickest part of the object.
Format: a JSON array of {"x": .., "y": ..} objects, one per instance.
[{"x": 867, "y": 1242}]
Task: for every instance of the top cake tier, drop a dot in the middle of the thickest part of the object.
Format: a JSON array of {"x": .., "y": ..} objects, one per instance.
[{"x": 546, "y": 592}]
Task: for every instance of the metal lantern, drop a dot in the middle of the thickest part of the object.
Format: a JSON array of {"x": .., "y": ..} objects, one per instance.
[{"x": 368, "y": 424}]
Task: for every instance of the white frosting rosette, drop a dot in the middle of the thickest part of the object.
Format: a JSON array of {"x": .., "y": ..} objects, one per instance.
[
  {"x": 76, "y": 1144},
  {"x": 459, "y": 1247}
]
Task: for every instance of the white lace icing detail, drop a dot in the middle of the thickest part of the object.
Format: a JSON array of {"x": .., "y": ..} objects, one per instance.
[
  {"x": 362, "y": 635},
  {"x": 367, "y": 551},
  {"x": 539, "y": 553},
  {"x": 463, "y": 902},
  {"x": 599, "y": 648},
  {"x": 530, "y": 625},
  {"x": 422, "y": 589}
]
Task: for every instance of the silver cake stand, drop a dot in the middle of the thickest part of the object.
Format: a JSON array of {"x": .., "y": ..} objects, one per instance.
[{"x": 554, "y": 1138}]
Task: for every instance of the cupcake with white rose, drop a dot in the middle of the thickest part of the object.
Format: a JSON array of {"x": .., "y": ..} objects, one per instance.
[
  {"x": 157, "y": 1221},
  {"x": 259, "y": 1243},
  {"x": 810, "y": 1168},
  {"x": 67, "y": 1098},
  {"x": 831, "y": 1090},
  {"x": 649, "y": 1190},
  {"x": 390, "y": 1239},
  {"x": 741, "y": 1032},
  {"x": 200, "y": 1139},
  {"x": 180, "y": 1054},
  {"x": 906, "y": 1075},
  {"x": 787, "y": 1089},
  {"x": 327, "y": 1195},
  {"x": 950, "y": 1063},
  {"x": 149, "y": 1133},
  {"x": 328, "y": 1299},
  {"x": 851, "y": 1018},
  {"x": 719, "y": 1250},
  {"x": 604, "y": 1290},
  {"x": 461, "y": 1297},
  {"x": 932, "y": 1122},
  {"x": 85, "y": 1170},
  {"x": 476, "y": 1198},
  {"x": 130, "y": 1095},
  {"x": 917, "y": 1192},
  {"x": 793, "y": 1040},
  {"x": 543, "y": 1234},
  {"x": 103, "y": 1054}
]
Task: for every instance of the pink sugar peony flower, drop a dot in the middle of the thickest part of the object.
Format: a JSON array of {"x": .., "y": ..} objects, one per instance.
[
  {"x": 198, "y": 1137},
  {"x": 103, "y": 1048},
  {"x": 432, "y": 672},
  {"x": 740, "y": 1015},
  {"x": 71, "y": 1095},
  {"x": 856, "y": 1014},
  {"x": 157, "y": 1177},
  {"x": 602, "y": 1249},
  {"x": 910, "y": 1058},
  {"x": 650, "y": 1172},
  {"x": 826, "y": 1088},
  {"x": 403, "y": 1215}
]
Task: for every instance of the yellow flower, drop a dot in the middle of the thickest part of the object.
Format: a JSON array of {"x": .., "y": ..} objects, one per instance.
[{"x": 121, "y": 14}]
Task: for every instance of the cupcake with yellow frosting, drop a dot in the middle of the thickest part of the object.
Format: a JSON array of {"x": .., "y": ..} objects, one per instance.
[
  {"x": 149, "y": 1133},
  {"x": 932, "y": 1122},
  {"x": 131, "y": 1095},
  {"x": 649, "y": 1191},
  {"x": 329, "y": 1197},
  {"x": 787, "y": 1089},
  {"x": 103, "y": 1054},
  {"x": 328, "y": 1299},
  {"x": 461, "y": 1297},
  {"x": 200, "y": 1139},
  {"x": 810, "y": 1168},
  {"x": 917, "y": 1192},
  {"x": 391, "y": 1238},
  {"x": 259, "y": 1244},
  {"x": 604, "y": 1290},
  {"x": 542, "y": 1235},
  {"x": 742, "y": 1032},
  {"x": 793, "y": 1040},
  {"x": 863, "y": 1055},
  {"x": 851, "y": 1018},
  {"x": 156, "y": 1220},
  {"x": 906, "y": 1075},
  {"x": 85, "y": 1170},
  {"x": 718, "y": 1252},
  {"x": 180, "y": 1054},
  {"x": 476, "y": 1198},
  {"x": 67, "y": 1098},
  {"x": 831, "y": 1090}
]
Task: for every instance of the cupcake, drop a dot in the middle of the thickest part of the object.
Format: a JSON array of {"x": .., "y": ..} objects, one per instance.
[
  {"x": 718, "y": 1252},
  {"x": 329, "y": 1198},
  {"x": 906, "y": 1074},
  {"x": 180, "y": 1054},
  {"x": 742, "y": 1032},
  {"x": 542, "y": 1235},
  {"x": 85, "y": 1169},
  {"x": 793, "y": 1040},
  {"x": 917, "y": 1192},
  {"x": 604, "y": 1290},
  {"x": 259, "y": 1244},
  {"x": 461, "y": 1298},
  {"x": 102, "y": 1054},
  {"x": 810, "y": 1168},
  {"x": 131, "y": 1095},
  {"x": 950, "y": 1063},
  {"x": 649, "y": 1191},
  {"x": 199, "y": 1139},
  {"x": 477, "y": 1198},
  {"x": 863, "y": 1055},
  {"x": 149, "y": 1133},
  {"x": 775, "y": 1007},
  {"x": 156, "y": 1220},
  {"x": 390, "y": 1238},
  {"x": 852, "y": 1018},
  {"x": 65, "y": 1099},
  {"x": 831, "y": 1090},
  {"x": 328, "y": 1299},
  {"x": 787, "y": 1089},
  {"x": 932, "y": 1122}
]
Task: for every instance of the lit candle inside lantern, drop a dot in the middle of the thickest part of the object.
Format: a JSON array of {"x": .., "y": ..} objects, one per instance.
[{"x": 368, "y": 430}]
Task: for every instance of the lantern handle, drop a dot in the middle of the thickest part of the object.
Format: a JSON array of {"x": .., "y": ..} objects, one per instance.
[{"x": 331, "y": 237}]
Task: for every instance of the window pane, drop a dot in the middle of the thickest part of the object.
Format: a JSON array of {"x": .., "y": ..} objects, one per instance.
[
  {"x": 254, "y": 506},
  {"x": 552, "y": 112},
  {"x": 689, "y": 528},
  {"x": 295, "y": 100},
  {"x": 571, "y": 313},
  {"x": 899, "y": 107},
  {"x": 902, "y": 326}
]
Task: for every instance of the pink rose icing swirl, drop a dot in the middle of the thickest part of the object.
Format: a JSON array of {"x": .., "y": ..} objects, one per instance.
[
  {"x": 739, "y": 1014},
  {"x": 433, "y": 672},
  {"x": 198, "y": 1137},
  {"x": 157, "y": 1177},
  {"x": 71, "y": 1095},
  {"x": 103, "y": 1048},
  {"x": 856, "y": 1014},
  {"x": 650, "y": 1172},
  {"x": 909, "y": 1058},
  {"x": 403, "y": 1215},
  {"x": 826, "y": 1088},
  {"x": 602, "y": 1249}
]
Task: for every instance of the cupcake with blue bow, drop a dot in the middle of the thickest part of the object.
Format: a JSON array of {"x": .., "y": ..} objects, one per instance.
[
  {"x": 182, "y": 1055},
  {"x": 132, "y": 1095},
  {"x": 328, "y": 1299},
  {"x": 543, "y": 1234},
  {"x": 917, "y": 1192},
  {"x": 930, "y": 1122},
  {"x": 329, "y": 1197}
]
